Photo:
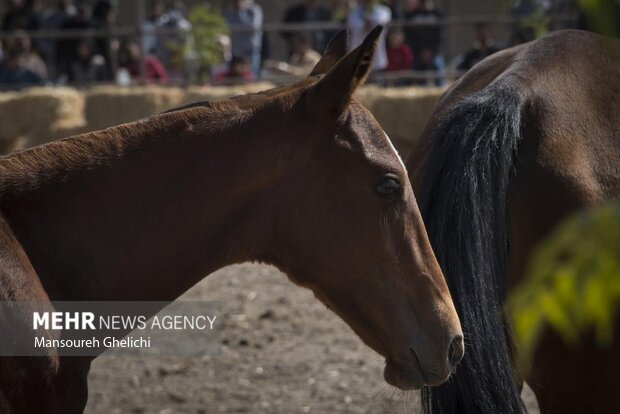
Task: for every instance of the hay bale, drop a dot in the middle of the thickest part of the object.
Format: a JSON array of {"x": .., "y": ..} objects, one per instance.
[
  {"x": 69, "y": 131},
  {"x": 7, "y": 137},
  {"x": 402, "y": 112},
  {"x": 38, "y": 115},
  {"x": 32, "y": 116},
  {"x": 111, "y": 105}
]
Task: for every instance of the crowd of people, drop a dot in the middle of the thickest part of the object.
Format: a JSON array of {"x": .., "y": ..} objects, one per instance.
[
  {"x": 39, "y": 60},
  {"x": 163, "y": 54},
  {"x": 85, "y": 51}
]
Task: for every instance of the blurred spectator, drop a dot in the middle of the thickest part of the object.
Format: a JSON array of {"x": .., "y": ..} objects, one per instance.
[
  {"x": 246, "y": 42},
  {"x": 130, "y": 58},
  {"x": 87, "y": 66},
  {"x": 20, "y": 66},
  {"x": 425, "y": 40},
  {"x": 174, "y": 45},
  {"x": 239, "y": 71},
  {"x": 67, "y": 49},
  {"x": 151, "y": 42},
  {"x": 14, "y": 76},
  {"x": 225, "y": 48},
  {"x": 53, "y": 19},
  {"x": 104, "y": 18},
  {"x": 302, "y": 60},
  {"x": 304, "y": 57},
  {"x": 362, "y": 18},
  {"x": 483, "y": 46},
  {"x": 21, "y": 46},
  {"x": 400, "y": 56},
  {"x": 20, "y": 15},
  {"x": 307, "y": 12}
]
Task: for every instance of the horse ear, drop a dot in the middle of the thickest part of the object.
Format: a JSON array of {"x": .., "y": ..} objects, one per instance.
[
  {"x": 333, "y": 92},
  {"x": 335, "y": 51}
]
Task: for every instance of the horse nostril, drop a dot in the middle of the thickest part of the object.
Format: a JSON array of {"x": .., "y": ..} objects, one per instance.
[{"x": 455, "y": 351}]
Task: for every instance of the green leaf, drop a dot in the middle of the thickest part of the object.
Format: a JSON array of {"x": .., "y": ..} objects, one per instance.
[{"x": 572, "y": 282}]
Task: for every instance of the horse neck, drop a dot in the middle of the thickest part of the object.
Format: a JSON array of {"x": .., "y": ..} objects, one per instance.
[{"x": 178, "y": 199}]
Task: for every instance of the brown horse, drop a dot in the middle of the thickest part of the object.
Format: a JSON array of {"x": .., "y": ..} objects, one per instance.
[
  {"x": 526, "y": 137},
  {"x": 300, "y": 177}
]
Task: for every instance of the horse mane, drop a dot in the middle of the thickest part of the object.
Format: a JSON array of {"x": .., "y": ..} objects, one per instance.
[
  {"x": 464, "y": 206},
  {"x": 55, "y": 161},
  {"x": 200, "y": 104}
]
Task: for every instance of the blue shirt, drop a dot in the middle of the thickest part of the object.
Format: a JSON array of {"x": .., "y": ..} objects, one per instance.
[{"x": 246, "y": 42}]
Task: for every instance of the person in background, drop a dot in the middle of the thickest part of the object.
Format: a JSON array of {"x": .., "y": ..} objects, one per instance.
[
  {"x": 306, "y": 12},
  {"x": 88, "y": 66},
  {"x": 483, "y": 46},
  {"x": 53, "y": 19},
  {"x": 151, "y": 40},
  {"x": 67, "y": 49},
  {"x": 16, "y": 67},
  {"x": 362, "y": 18},
  {"x": 20, "y": 45},
  {"x": 175, "y": 48},
  {"x": 302, "y": 60},
  {"x": 239, "y": 71},
  {"x": 304, "y": 57},
  {"x": 400, "y": 56},
  {"x": 425, "y": 41},
  {"x": 130, "y": 58},
  {"x": 104, "y": 18},
  {"x": 246, "y": 43},
  {"x": 225, "y": 48},
  {"x": 20, "y": 15}
]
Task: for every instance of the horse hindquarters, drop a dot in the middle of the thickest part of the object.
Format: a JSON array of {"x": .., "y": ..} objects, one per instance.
[
  {"x": 556, "y": 175},
  {"x": 577, "y": 378}
]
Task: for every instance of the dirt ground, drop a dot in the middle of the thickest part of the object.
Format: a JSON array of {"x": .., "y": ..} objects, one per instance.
[{"x": 282, "y": 352}]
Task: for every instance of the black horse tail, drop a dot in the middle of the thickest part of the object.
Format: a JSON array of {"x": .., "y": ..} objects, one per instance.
[{"x": 464, "y": 207}]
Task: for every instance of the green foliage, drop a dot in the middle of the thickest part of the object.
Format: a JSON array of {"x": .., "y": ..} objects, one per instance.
[
  {"x": 602, "y": 15},
  {"x": 537, "y": 22},
  {"x": 207, "y": 26},
  {"x": 202, "y": 47},
  {"x": 572, "y": 283}
]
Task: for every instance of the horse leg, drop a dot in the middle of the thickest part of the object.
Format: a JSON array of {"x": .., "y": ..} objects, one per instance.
[
  {"x": 41, "y": 384},
  {"x": 71, "y": 385}
]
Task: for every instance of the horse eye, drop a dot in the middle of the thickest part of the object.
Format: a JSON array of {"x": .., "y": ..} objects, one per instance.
[{"x": 389, "y": 188}]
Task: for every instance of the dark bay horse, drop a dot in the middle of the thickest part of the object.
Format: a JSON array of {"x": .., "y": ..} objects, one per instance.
[
  {"x": 301, "y": 177},
  {"x": 526, "y": 137}
]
